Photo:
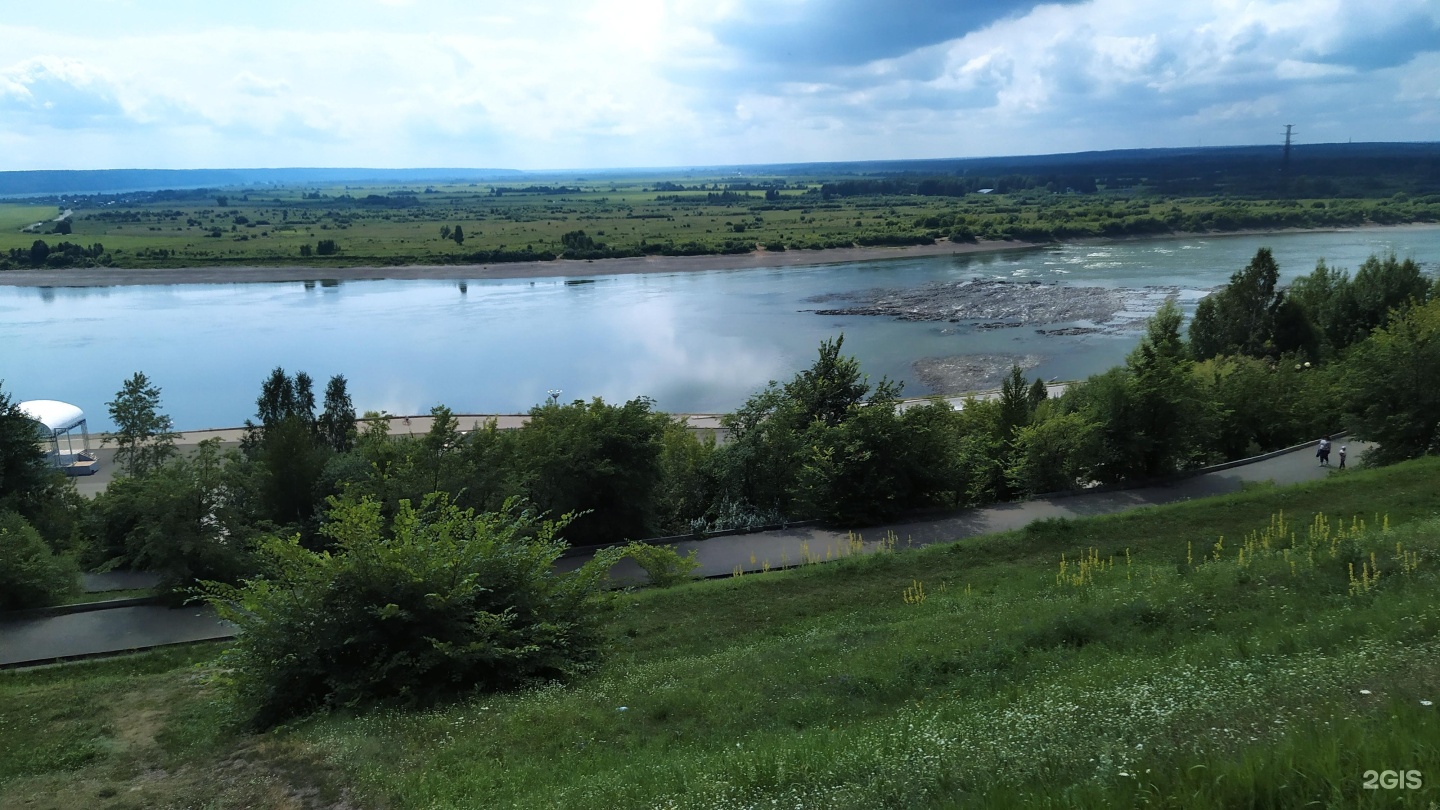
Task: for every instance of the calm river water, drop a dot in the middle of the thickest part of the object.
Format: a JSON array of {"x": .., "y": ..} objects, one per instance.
[{"x": 695, "y": 342}]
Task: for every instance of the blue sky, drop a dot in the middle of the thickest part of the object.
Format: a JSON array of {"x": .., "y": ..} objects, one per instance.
[{"x": 554, "y": 85}]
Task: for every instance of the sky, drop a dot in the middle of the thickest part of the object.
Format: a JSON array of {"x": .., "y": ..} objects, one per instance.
[{"x": 552, "y": 85}]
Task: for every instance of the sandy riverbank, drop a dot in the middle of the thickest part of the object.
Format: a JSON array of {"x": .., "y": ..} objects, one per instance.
[{"x": 114, "y": 276}]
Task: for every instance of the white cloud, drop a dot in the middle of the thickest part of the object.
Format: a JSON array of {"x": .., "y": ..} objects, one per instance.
[{"x": 650, "y": 82}]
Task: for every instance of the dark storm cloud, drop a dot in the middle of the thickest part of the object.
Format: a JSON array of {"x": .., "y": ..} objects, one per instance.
[
  {"x": 1396, "y": 45},
  {"x": 854, "y": 32}
]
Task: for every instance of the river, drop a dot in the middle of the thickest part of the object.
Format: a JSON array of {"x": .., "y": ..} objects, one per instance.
[{"x": 694, "y": 341}]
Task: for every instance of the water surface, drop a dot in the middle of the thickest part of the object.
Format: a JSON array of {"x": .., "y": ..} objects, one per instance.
[{"x": 695, "y": 342}]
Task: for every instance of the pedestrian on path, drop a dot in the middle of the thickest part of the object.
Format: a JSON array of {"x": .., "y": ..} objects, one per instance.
[
  {"x": 1342, "y": 457},
  {"x": 1322, "y": 452}
]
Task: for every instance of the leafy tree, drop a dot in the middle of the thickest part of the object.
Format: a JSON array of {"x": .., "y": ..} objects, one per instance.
[
  {"x": 326, "y": 247},
  {"x": 1151, "y": 416},
  {"x": 440, "y": 457},
  {"x": 935, "y": 431},
  {"x": 29, "y": 484},
  {"x": 859, "y": 469},
  {"x": 39, "y": 251},
  {"x": 1383, "y": 285},
  {"x": 577, "y": 242},
  {"x": 290, "y": 462},
  {"x": 337, "y": 422},
  {"x": 1391, "y": 394},
  {"x": 1324, "y": 295},
  {"x": 984, "y": 452},
  {"x": 458, "y": 235},
  {"x": 758, "y": 466},
  {"x": 828, "y": 389},
  {"x": 182, "y": 521},
  {"x": 761, "y": 464},
  {"x": 1261, "y": 405},
  {"x": 143, "y": 434},
  {"x": 277, "y": 398},
  {"x": 31, "y": 574},
  {"x": 1015, "y": 403},
  {"x": 435, "y": 603},
  {"x": 1038, "y": 393},
  {"x": 1239, "y": 318},
  {"x": 600, "y": 462},
  {"x": 304, "y": 406},
  {"x": 288, "y": 449},
  {"x": 1053, "y": 454},
  {"x": 688, "y": 480}
]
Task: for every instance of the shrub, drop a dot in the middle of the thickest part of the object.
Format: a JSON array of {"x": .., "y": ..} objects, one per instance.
[
  {"x": 440, "y": 602},
  {"x": 663, "y": 564},
  {"x": 30, "y": 575}
]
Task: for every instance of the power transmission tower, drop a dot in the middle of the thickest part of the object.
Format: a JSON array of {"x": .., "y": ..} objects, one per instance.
[{"x": 1285, "y": 161}]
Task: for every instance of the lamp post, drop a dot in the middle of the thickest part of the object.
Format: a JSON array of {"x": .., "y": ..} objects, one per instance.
[{"x": 554, "y": 396}]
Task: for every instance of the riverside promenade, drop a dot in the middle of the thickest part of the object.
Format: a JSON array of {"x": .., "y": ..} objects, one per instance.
[{"x": 41, "y": 638}]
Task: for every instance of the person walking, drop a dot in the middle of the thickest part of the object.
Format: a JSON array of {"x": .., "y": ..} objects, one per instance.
[
  {"x": 1342, "y": 457},
  {"x": 1322, "y": 452}
]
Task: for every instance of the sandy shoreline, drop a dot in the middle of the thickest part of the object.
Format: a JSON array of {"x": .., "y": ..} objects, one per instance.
[
  {"x": 561, "y": 268},
  {"x": 567, "y": 268}
]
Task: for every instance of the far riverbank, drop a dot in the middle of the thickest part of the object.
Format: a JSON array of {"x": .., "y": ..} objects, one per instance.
[
  {"x": 568, "y": 268},
  {"x": 225, "y": 274}
]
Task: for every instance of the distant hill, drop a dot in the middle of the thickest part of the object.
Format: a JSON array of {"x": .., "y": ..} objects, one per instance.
[
  {"x": 1320, "y": 169},
  {"x": 103, "y": 181}
]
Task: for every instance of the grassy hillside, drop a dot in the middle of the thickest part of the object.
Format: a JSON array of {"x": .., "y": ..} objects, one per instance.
[{"x": 1233, "y": 652}]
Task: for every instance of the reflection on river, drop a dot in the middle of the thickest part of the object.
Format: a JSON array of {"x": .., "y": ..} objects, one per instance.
[{"x": 695, "y": 342}]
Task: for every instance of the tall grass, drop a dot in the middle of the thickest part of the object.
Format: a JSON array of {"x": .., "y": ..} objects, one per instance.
[
  {"x": 1231, "y": 679},
  {"x": 1214, "y": 654}
]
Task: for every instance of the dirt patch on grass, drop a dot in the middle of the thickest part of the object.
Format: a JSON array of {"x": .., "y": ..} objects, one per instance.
[{"x": 161, "y": 742}]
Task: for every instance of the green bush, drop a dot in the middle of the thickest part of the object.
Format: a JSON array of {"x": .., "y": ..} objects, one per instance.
[
  {"x": 439, "y": 602},
  {"x": 663, "y": 564},
  {"x": 30, "y": 575}
]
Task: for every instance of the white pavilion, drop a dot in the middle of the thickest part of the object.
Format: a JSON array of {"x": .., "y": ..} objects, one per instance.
[{"x": 62, "y": 431}]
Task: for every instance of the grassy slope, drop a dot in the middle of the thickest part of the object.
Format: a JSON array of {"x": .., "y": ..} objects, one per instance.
[{"x": 1173, "y": 682}]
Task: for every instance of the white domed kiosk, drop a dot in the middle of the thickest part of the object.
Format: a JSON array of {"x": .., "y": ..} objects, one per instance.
[{"x": 63, "y": 433}]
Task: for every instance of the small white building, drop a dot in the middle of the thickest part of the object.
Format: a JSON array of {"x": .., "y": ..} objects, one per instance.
[{"x": 61, "y": 429}]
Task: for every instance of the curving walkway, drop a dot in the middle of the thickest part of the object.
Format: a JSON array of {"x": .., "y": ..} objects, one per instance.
[{"x": 42, "y": 639}]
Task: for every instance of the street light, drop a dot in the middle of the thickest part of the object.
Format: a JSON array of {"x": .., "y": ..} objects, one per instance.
[{"x": 554, "y": 395}]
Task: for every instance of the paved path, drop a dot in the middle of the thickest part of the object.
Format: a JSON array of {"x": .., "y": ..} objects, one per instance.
[
  {"x": 119, "y": 629},
  {"x": 720, "y": 556},
  {"x": 38, "y": 640}
]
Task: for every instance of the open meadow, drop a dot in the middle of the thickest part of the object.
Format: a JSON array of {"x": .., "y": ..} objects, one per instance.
[
  {"x": 1266, "y": 649},
  {"x": 587, "y": 218}
]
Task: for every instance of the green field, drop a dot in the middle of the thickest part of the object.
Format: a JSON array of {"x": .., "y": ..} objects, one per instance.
[
  {"x": 1233, "y": 652},
  {"x": 682, "y": 215}
]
